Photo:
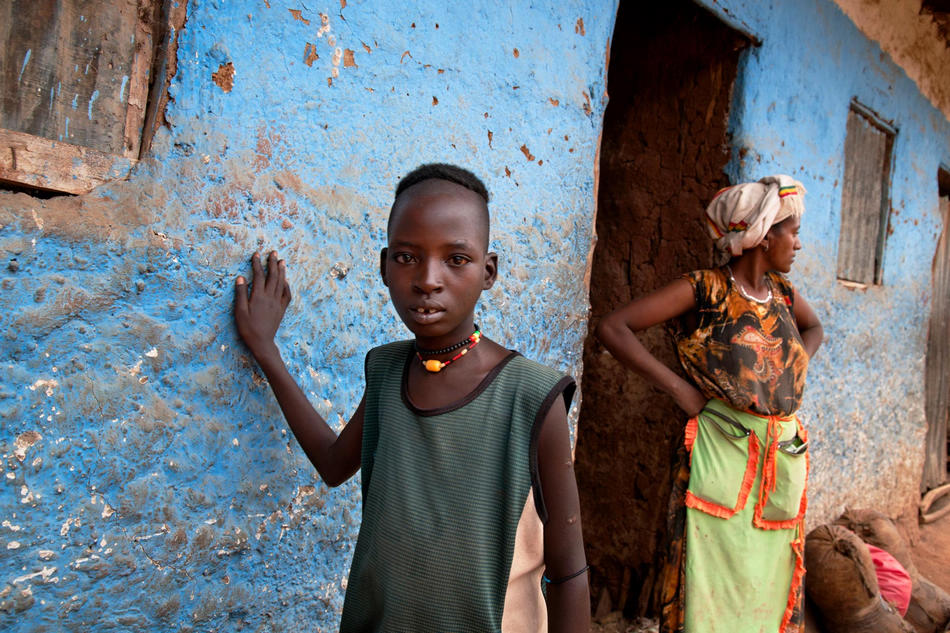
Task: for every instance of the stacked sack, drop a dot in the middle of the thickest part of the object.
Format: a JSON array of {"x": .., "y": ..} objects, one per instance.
[
  {"x": 860, "y": 569},
  {"x": 841, "y": 581},
  {"x": 929, "y": 609}
]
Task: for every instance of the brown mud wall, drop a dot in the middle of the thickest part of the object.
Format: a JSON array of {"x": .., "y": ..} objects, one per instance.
[{"x": 665, "y": 145}]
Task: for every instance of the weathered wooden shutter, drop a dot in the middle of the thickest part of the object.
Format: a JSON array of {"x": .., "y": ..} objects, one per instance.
[
  {"x": 937, "y": 381},
  {"x": 73, "y": 89},
  {"x": 865, "y": 202}
]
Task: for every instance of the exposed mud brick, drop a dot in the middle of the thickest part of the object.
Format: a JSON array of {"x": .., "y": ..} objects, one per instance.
[{"x": 665, "y": 145}]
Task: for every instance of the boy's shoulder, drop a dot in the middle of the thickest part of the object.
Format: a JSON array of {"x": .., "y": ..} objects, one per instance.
[
  {"x": 531, "y": 377},
  {"x": 388, "y": 356},
  {"x": 392, "y": 347},
  {"x": 535, "y": 387}
]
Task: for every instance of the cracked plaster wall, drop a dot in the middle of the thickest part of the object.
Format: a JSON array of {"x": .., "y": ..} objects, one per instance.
[{"x": 147, "y": 480}]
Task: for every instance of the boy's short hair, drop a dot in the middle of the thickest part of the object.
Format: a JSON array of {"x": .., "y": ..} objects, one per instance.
[{"x": 444, "y": 171}]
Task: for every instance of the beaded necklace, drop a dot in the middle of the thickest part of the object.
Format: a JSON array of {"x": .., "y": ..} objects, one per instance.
[{"x": 434, "y": 365}]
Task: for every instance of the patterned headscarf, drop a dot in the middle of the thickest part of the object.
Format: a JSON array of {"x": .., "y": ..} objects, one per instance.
[{"x": 739, "y": 217}]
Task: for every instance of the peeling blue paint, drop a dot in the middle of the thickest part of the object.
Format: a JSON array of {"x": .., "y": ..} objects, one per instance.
[
  {"x": 26, "y": 60},
  {"x": 125, "y": 80},
  {"x": 92, "y": 100}
]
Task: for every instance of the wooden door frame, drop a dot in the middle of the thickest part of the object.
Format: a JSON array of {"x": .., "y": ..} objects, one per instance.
[{"x": 937, "y": 404}]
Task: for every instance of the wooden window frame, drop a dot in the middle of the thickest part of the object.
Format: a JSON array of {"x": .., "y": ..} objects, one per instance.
[
  {"x": 31, "y": 161},
  {"x": 874, "y": 120}
]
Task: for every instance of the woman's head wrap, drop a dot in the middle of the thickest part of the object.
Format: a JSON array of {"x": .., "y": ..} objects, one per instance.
[{"x": 739, "y": 217}]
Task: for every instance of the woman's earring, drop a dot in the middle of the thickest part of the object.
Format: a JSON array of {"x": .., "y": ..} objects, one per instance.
[{"x": 765, "y": 246}]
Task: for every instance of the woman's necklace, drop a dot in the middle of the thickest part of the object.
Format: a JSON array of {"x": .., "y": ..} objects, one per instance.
[
  {"x": 434, "y": 365},
  {"x": 746, "y": 295}
]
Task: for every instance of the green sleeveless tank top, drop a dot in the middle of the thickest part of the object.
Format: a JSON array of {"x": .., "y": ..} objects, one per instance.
[{"x": 443, "y": 491}]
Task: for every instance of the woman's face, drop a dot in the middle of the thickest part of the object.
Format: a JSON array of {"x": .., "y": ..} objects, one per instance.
[{"x": 783, "y": 243}]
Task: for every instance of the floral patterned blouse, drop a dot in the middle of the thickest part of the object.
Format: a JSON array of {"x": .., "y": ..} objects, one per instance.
[{"x": 747, "y": 354}]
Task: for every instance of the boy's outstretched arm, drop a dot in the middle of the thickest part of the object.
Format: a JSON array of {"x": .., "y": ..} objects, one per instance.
[
  {"x": 257, "y": 317},
  {"x": 568, "y": 595}
]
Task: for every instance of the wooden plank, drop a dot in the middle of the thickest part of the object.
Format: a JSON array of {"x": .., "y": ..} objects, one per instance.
[
  {"x": 46, "y": 164},
  {"x": 168, "y": 23},
  {"x": 139, "y": 78},
  {"x": 884, "y": 210},
  {"x": 69, "y": 69},
  {"x": 937, "y": 376}
]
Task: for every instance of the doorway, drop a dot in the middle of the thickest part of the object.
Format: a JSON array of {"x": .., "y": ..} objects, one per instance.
[
  {"x": 937, "y": 379},
  {"x": 665, "y": 146}
]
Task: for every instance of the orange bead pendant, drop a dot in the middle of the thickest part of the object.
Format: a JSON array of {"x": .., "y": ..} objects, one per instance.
[{"x": 435, "y": 366}]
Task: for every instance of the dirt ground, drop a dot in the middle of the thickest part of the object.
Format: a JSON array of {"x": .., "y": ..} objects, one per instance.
[
  {"x": 616, "y": 623},
  {"x": 931, "y": 554}
]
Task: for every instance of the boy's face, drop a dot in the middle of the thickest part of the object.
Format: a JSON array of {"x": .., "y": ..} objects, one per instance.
[{"x": 436, "y": 264}]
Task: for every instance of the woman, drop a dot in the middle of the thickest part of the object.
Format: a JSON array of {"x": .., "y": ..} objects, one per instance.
[{"x": 744, "y": 337}]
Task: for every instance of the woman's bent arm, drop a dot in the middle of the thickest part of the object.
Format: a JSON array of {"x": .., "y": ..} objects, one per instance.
[
  {"x": 617, "y": 331},
  {"x": 809, "y": 327}
]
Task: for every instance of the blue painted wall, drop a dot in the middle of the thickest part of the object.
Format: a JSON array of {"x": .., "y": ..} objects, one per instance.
[
  {"x": 864, "y": 399},
  {"x": 148, "y": 482},
  {"x": 147, "y": 479}
]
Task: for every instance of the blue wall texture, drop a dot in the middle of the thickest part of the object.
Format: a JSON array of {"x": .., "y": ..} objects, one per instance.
[{"x": 148, "y": 480}]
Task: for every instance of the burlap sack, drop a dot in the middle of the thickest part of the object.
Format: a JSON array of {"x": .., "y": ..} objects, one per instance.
[
  {"x": 812, "y": 618},
  {"x": 929, "y": 610},
  {"x": 842, "y": 584},
  {"x": 879, "y": 530}
]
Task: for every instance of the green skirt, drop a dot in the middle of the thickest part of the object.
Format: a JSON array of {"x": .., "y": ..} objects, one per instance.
[{"x": 745, "y": 508}]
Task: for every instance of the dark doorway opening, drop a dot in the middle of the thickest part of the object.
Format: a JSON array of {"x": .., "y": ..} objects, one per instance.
[{"x": 665, "y": 146}]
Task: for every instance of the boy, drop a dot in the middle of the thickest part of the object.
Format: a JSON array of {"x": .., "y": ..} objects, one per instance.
[{"x": 468, "y": 483}]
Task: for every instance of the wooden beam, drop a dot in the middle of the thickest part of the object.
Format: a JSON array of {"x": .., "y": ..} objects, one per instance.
[
  {"x": 138, "y": 82},
  {"x": 39, "y": 162}
]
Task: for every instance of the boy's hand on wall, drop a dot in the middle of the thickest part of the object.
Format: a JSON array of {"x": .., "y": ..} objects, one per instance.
[{"x": 258, "y": 316}]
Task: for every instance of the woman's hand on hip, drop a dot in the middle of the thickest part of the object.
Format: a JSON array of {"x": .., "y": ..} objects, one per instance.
[{"x": 690, "y": 399}]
